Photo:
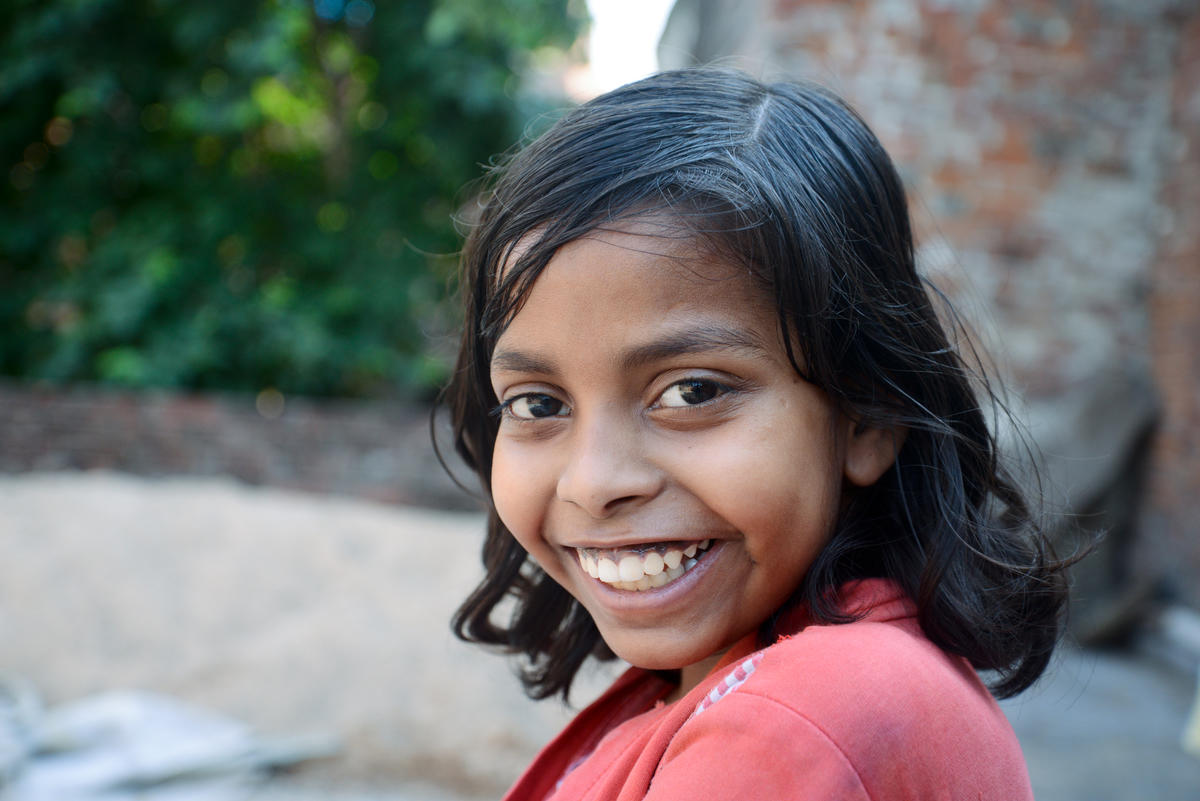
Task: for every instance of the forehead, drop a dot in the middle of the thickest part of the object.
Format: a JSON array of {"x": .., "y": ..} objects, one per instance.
[
  {"x": 633, "y": 283},
  {"x": 665, "y": 243}
]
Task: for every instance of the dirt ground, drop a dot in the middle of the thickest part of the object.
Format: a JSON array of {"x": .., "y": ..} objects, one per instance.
[
  {"x": 302, "y": 614},
  {"x": 295, "y": 613}
]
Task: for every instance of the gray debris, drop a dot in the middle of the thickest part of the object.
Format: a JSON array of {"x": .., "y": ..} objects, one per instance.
[{"x": 126, "y": 745}]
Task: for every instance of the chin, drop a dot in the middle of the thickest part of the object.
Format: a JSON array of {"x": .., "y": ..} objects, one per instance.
[{"x": 653, "y": 656}]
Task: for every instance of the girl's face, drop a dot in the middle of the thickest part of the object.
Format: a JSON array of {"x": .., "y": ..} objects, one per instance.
[{"x": 657, "y": 453}]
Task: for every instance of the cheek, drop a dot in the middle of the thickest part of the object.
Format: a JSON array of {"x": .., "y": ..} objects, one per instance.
[
  {"x": 517, "y": 489},
  {"x": 775, "y": 488}
]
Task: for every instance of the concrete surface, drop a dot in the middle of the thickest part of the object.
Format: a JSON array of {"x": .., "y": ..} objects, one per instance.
[
  {"x": 1105, "y": 726},
  {"x": 300, "y": 613}
]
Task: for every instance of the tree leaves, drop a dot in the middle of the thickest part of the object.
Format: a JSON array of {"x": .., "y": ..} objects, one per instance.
[{"x": 236, "y": 195}]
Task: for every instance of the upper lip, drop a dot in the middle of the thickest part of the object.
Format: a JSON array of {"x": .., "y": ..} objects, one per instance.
[
  {"x": 616, "y": 543},
  {"x": 640, "y": 531},
  {"x": 633, "y": 546}
]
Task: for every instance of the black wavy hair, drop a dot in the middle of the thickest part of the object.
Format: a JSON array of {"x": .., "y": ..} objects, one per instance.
[{"x": 786, "y": 180}]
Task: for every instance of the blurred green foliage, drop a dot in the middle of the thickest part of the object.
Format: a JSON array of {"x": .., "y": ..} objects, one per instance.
[{"x": 235, "y": 194}]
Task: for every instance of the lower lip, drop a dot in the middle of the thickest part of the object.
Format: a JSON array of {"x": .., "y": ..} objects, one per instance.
[{"x": 619, "y": 599}]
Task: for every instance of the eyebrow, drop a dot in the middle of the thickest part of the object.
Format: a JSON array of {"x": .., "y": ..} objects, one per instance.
[{"x": 699, "y": 339}]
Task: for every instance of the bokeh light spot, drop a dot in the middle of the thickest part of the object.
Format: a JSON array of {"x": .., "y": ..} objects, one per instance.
[
  {"x": 214, "y": 82},
  {"x": 382, "y": 165},
  {"x": 231, "y": 250},
  {"x": 359, "y": 12},
  {"x": 372, "y": 116},
  {"x": 154, "y": 117},
  {"x": 36, "y": 155},
  {"x": 330, "y": 10},
  {"x": 208, "y": 150},
  {"x": 72, "y": 250},
  {"x": 270, "y": 403},
  {"x": 59, "y": 131},
  {"x": 332, "y": 217},
  {"x": 21, "y": 177}
]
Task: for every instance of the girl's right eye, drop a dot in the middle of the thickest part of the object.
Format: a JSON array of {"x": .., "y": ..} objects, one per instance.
[{"x": 533, "y": 406}]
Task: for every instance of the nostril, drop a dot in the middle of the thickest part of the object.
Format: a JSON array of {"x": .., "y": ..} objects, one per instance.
[
  {"x": 600, "y": 504},
  {"x": 628, "y": 499},
  {"x": 606, "y": 469}
]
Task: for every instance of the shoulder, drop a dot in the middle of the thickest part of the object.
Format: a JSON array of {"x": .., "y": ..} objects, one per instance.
[
  {"x": 883, "y": 660},
  {"x": 876, "y": 701},
  {"x": 876, "y": 672}
]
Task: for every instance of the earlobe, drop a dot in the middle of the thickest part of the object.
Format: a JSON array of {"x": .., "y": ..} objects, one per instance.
[{"x": 870, "y": 451}]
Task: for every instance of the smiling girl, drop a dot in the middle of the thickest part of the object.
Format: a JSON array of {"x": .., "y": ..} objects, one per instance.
[{"x": 726, "y": 439}]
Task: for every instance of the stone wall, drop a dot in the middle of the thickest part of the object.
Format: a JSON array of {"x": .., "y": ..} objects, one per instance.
[
  {"x": 1173, "y": 508},
  {"x": 373, "y": 450},
  {"x": 1050, "y": 151}
]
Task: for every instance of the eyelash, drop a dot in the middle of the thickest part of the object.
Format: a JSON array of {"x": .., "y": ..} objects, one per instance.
[
  {"x": 721, "y": 390},
  {"x": 504, "y": 410}
]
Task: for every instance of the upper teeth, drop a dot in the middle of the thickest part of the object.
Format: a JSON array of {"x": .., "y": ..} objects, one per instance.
[{"x": 634, "y": 571}]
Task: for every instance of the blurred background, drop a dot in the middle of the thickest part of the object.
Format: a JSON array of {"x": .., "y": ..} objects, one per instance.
[{"x": 227, "y": 255}]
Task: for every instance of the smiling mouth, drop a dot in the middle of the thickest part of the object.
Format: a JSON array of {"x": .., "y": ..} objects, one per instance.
[{"x": 644, "y": 569}]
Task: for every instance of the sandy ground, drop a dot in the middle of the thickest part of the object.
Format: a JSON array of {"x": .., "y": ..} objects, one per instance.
[
  {"x": 304, "y": 614},
  {"x": 298, "y": 614}
]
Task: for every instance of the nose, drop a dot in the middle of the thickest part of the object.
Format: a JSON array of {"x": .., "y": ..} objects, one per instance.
[{"x": 608, "y": 469}]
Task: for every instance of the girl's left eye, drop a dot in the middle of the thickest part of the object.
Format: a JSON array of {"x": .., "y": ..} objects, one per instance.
[{"x": 690, "y": 392}]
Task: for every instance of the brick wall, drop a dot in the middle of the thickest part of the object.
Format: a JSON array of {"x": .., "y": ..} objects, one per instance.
[
  {"x": 1172, "y": 519},
  {"x": 379, "y": 451},
  {"x": 1051, "y": 154}
]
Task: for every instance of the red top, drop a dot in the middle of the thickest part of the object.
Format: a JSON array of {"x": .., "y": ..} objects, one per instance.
[{"x": 863, "y": 711}]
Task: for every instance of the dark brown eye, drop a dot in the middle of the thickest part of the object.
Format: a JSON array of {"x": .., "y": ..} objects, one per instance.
[
  {"x": 690, "y": 392},
  {"x": 534, "y": 406}
]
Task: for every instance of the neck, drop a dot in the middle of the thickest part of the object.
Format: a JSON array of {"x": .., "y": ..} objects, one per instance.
[{"x": 693, "y": 674}]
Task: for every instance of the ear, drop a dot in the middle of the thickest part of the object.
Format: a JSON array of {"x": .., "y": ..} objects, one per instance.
[{"x": 870, "y": 451}]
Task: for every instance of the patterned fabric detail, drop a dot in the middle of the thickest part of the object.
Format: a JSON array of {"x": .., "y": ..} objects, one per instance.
[
  {"x": 570, "y": 769},
  {"x": 729, "y": 683}
]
